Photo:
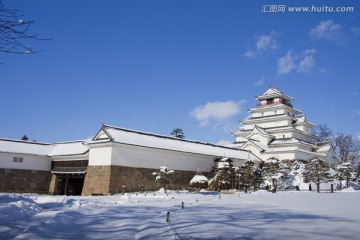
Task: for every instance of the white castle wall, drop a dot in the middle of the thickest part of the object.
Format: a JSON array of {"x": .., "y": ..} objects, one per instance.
[
  {"x": 135, "y": 156},
  {"x": 30, "y": 162},
  {"x": 143, "y": 157},
  {"x": 100, "y": 155}
]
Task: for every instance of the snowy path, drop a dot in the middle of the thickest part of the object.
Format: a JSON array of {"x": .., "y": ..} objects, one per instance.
[{"x": 259, "y": 215}]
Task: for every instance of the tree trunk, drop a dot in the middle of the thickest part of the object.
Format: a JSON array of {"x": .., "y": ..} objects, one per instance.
[
  {"x": 318, "y": 187},
  {"x": 340, "y": 179},
  {"x": 273, "y": 183}
]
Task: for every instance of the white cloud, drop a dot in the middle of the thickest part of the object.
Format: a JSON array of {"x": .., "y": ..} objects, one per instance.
[
  {"x": 324, "y": 70},
  {"x": 216, "y": 112},
  {"x": 308, "y": 62},
  {"x": 286, "y": 63},
  {"x": 292, "y": 61},
  {"x": 263, "y": 44},
  {"x": 330, "y": 31},
  {"x": 260, "y": 82}
]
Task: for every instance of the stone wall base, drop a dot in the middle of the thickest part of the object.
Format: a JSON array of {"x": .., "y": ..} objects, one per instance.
[
  {"x": 112, "y": 179},
  {"x": 24, "y": 181}
]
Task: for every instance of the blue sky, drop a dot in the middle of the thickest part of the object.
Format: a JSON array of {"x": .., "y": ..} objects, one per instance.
[{"x": 198, "y": 65}]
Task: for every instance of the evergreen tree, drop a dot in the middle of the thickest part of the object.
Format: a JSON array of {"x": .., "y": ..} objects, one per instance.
[
  {"x": 163, "y": 176},
  {"x": 317, "y": 171},
  {"x": 224, "y": 178},
  {"x": 178, "y": 133},
  {"x": 344, "y": 171},
  {"x": 249, "y": 175},
  {"x": 24, "y": 138},
  {"x": 273, "y": 170}
]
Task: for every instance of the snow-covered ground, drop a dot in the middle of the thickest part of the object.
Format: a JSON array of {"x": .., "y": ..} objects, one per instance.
[{"x": 259, "y": 215}]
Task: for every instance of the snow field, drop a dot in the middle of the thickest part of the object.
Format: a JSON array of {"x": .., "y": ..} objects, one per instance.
[{"x": 259, "y": 215}]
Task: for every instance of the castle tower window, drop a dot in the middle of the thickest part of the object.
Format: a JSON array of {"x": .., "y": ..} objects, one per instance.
[{"x": 270, "y": 101}]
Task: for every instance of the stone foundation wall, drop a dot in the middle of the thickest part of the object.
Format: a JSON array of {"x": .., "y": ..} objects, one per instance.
[
  {"x": 24, "y": 181},
  {"x": 111, "y": 179},
  {"x": 97, "y": 180},
  {"x": 53, "y": 185}
]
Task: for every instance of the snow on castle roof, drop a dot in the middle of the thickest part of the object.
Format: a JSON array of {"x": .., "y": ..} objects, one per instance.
[
  {"x": 144, "y": 139},
  {"x": 42, "y": 149},
  {"x": 24, "y": 147},
  {"x": 69, "y": 148},
  {"x": 273, "y": 93}
]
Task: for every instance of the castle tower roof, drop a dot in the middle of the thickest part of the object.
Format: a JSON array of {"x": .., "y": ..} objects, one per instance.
[{"x": 272, "y": 93}]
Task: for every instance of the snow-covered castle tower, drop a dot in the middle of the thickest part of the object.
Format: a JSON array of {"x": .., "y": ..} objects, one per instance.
[{"x": 276, "y": 129}]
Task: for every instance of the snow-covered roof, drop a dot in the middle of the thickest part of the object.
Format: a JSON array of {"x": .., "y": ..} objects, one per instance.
[
  {"x": 280, "y": 141},
  {"x": 272, "y": 92},
  {"x": 323, "y": 146},
  {"x": 284, "y": 141},
  {"x": 25, "y": 147},
  {"x": 259, "y": 130},
  {"x": 266, "y": 118},
  {"x": 259, "y": 144},
  {"x": 69, "y": 148},
  {"x": 301, "y": 120},
  {"x": 224, "y": 159},
  {"x": 144, "y": 139},
  {"x": 42, "y": 149}
]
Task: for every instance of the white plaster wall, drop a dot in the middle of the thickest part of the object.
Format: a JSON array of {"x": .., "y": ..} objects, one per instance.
[
  {"x": 300, "y": 127},
  {"x": 302, "y": 156},
  {"x": 100, "y": 156},
  {"x": 134, "y": 156},
  {"x": 256, "y": 114},
  {"x": 30, "y": 162},
  {"x": 306, "y": 148},
  {"x": 283, "y": 135},
  {"x": 254, "y": 151}
]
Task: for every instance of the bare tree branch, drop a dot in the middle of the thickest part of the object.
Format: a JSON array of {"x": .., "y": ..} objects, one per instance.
[{"x": 15, "y": 31}]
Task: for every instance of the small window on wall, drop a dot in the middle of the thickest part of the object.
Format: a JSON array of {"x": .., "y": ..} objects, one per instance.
[{"x": 18, "y": 159}]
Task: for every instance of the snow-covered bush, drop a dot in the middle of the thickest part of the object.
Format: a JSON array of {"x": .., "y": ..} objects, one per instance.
[
  {"x": 163, "y": 176},
  {"x": 199, "y": 180}
]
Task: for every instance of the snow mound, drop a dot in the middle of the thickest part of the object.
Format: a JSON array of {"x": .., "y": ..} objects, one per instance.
[
  {"x": 15, "y": 206},
  {"x": 199, "y": 179}
]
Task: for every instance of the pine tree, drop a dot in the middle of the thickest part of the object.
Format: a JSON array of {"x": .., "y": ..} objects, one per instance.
[
  {"x": 163, "y": 176},
  {"x": 273, "y": 170},
  {"x": 317, "y": 171},
  {"x": 178, "y": 133},
  {"x": 225, "y": 177},
  {"x": 249, "y": 175},
  {"x": 24, "y": 138},
  {"x": 344, "y": 171}
]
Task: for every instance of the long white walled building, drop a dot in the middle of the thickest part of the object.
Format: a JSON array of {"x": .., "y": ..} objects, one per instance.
[{"x": 116, "y": 158}]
